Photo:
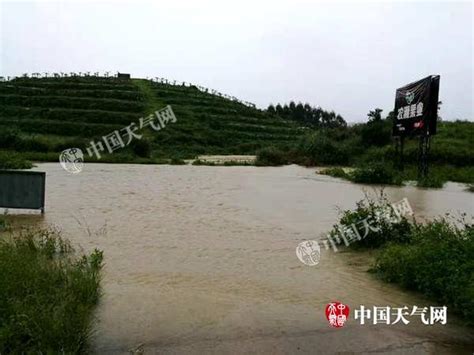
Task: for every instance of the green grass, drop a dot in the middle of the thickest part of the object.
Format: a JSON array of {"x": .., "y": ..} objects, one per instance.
[{"x": 47, "y": 294}]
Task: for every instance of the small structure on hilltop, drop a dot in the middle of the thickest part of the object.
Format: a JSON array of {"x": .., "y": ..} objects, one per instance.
[{"x": 123, "y": 76}]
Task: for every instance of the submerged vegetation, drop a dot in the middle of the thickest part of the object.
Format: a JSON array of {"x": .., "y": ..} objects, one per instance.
[
  {"x": 376, "y": 173},
  {"x": 47, "y": 293},
  {"x": 435, "y": 258}
]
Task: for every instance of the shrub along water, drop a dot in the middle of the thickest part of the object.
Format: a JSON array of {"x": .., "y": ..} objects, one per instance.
[
  {"x": 336, "y": 172},
  {"x": 11, "y": 160},
  {"x": 47, "y": 294},
  {"x": 438, "y": 262},
  {"x": 435, "y": 258},
  {"x": 376, "y": 173},
  {"x": 270, "y": 156}
]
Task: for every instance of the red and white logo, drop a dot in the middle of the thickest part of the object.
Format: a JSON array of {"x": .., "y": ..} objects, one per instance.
[
  {"x": 418, "y": 124},
  {"x": 337, "y": 314}
]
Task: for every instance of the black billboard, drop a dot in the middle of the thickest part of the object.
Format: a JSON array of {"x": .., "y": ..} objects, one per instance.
[{"x": 416, "y": 108}]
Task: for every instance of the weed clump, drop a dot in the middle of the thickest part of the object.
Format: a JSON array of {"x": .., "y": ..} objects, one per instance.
[{"x": 47, "y": 294}]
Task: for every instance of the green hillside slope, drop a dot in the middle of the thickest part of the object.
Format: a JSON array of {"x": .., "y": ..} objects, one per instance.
[{"x": 40, "y": 117}]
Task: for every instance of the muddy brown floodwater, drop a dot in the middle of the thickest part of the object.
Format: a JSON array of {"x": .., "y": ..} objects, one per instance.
[{"x": 202, "y": 260}]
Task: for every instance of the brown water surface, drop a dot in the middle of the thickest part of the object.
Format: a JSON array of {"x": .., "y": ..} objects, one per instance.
[{"x": 202, "y": 260}]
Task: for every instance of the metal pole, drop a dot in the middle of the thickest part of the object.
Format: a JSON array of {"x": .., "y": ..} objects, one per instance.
[
  {"x": 423, "y": 149},
  {"x": 402, "y": 144}
]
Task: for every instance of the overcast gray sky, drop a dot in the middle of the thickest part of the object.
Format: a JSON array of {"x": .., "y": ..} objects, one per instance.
[{"x": 343, "y": 56}]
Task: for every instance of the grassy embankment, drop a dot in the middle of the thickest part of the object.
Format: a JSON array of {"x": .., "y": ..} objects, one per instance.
[
  {"x": 40, "y": 117},
  {"x": 435, "y": 258},
  {"x": 47, "y": 293}
]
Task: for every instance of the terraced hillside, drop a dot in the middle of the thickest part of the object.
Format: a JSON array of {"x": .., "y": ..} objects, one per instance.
[{"x": 40, "y": 117}]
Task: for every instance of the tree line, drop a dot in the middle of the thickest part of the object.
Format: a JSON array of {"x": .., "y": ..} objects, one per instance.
[{"x": 307, "y": 115}]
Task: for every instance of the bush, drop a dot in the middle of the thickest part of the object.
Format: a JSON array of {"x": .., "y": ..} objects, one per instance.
[
  {"x": 432, "y": 180},
  {"x": 47, "y": 295},
  {"x": 436, "y": 258},
  {"x": 141, "y": 147},
  {"x": 177, "y": 161},
  {"x": 33, "y": 144},
  {"x": 11, "y": 160},
  {"x": 321, "y": 149},
  {"x": 383, "y": 224},
  {"x": 377, "y": 133},
  {"x": 270, "y": 156},
  {"x": 385, "y": 155},
  {"x": 439, "y": 263},
  {"x": 376, "y": 173},
  {"x": 9, "y": 138},
  {"x": 335, "y": 172}
]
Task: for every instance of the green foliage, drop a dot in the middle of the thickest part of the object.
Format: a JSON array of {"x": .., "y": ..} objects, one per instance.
[
  {"x": 307, "y": 115},
  {"x": 47, "y": 295},
  {"x": 85, "y": 109},
  {"x": 3, "y": 223},
  {"x": 40, "y": 116},
  {"x": 10, "y": 160},
  {"x": 375, "y": 115},
  {"x": 435, "y": 258},
  {"x": 321, "y": 149},
  {"x": 377, "y": 133},
  {"x": 384, "y": 224},
  {"x": 376, "y": 173},
  {"x": 439, "y": 262},
  {"x": 141, "y": 147},
  {"x": 270, "y": 156},
  {"x": 335, "y": 172},
  {"x": 432, "y": 181},
  {"x": 177, "y": 161},
  {"x": 71, "y": 102}
]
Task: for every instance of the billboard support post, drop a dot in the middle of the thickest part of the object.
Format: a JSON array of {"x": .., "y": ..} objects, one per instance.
[
  {"x": 423, "y": 150},
  {"x": 399, "y": 145}
]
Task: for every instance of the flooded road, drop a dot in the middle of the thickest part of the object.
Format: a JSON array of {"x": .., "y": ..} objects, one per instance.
[{"x": 202, "y": 260}]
